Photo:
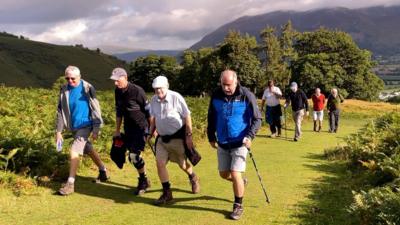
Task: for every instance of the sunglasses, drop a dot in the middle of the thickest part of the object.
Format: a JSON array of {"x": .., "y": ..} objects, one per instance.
[{"x": 70, "y": 78}]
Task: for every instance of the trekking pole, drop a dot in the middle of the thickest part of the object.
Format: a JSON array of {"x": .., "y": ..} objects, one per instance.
[
  {"x": 152, "y": 147},
  {"x": 259, "y": 177}
]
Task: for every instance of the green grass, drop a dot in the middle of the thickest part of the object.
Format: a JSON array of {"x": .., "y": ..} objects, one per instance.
[{"x": 303, "y": 188}]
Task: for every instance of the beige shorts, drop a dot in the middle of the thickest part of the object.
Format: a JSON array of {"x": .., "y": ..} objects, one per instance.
[
  {"x": 81, "y": 143},
  {"x": 173, "y": 150}
]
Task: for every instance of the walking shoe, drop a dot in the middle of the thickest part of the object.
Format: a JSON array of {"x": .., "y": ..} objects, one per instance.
[
  {"x": 272, "y": 135},
  {"x": 102, "y": 177},
  {"x": 165, "y": 198},
  {"x": 66, "y": 189},
  {"x": 237, "y": 211},
  {"x": 295, "y": 139},
  {"x": 142, "y": 186},
  {"x": 195, "y": 184}
]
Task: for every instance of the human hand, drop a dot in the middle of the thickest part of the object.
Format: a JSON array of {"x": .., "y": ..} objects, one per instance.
[
  {"x": 59, "y": 137},
  {"x": 94, "y": 136},
  {"x": 117, "y": 133},
  {"x": 213, "y": 144},
  {"x": 247, "y": 142},
  {"x": 307, "y": 113}
]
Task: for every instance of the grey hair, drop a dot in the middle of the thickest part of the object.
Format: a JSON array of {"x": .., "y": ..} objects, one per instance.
[
  {"x": 234, "y": 75},
  {"x": 73, "y": 70}
]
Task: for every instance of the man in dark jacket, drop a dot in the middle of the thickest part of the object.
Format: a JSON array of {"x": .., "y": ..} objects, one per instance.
[
  {"x": 299, "y": 102},
  {"x": 333, "y": 106},
  {"x": 233, "y": 120},
  {"x": 130, "y": 104}
]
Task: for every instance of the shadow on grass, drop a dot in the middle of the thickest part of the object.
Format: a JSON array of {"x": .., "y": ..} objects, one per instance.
[
  {"x": 124, "y": 194},
  {"x": 330, "y": 195}
]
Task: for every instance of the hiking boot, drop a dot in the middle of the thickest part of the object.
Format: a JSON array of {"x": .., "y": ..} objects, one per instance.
[
  {"x": 102, "y": 177},
  {"x": 237, "y": 211},
  {"x": 195, "y": 184},
  {"x": 66, "y": 189},
  {"x": 165, "y": 198},
  {"x": 142, "y": 186}
]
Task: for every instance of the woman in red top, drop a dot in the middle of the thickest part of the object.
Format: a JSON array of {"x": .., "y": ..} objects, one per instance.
[{"x": 318, "y": 105}]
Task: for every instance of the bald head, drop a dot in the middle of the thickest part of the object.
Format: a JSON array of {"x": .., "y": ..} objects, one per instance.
[{"x": 228, "y": 81}]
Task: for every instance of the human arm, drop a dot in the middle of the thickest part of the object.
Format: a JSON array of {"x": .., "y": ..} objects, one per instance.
[{"x": 211, "y": 121}]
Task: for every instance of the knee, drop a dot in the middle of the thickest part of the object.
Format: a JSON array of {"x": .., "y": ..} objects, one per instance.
[
  {"x": 224, "y": 174},
  {"x": 161, "y": 164},
  {"x": 136, "y": 160}
]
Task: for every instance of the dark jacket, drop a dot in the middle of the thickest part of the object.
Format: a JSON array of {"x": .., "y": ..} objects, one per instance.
[
  {"x": 334, "y": 103},
  {"x": 130, "y": 103},
  {"x": 298, "y": 100},
  {"x": 232, "y": 118}
]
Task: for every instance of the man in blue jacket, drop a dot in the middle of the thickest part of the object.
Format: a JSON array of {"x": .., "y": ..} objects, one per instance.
[{"x": 233, "y": 121}]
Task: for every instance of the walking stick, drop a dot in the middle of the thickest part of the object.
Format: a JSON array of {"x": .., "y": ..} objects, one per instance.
[{"x": 259, "y": 177}]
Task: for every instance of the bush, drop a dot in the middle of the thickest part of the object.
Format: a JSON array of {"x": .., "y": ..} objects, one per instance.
[{"x": 374, "y": 158}]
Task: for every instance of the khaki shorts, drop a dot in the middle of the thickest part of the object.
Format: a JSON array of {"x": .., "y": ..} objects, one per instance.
[
  {"x": 173, "y": 150},
  {"x": 81, "y": 144}
]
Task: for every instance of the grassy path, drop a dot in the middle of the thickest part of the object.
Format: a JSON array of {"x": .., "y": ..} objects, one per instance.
[{"x": 302, "y": 186}]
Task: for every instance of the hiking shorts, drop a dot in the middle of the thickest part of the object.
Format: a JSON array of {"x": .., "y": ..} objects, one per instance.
[
  {"x": 174, "y": 150},
  {"x": 318, "y": 115},
  {"x": 81, "y": 143},
  {"x": 232, "y": 159},
  {"x": 134, "y": 140}
]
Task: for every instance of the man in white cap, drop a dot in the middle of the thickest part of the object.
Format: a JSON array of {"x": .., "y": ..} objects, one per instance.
[
  {"x": 130, "y": 105},
  {"x": 170, "y": 114},
  {"x": 299, "y": 102}
]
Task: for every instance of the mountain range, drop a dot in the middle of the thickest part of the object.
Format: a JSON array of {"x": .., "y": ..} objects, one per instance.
[{"x": 373, "y": 28}]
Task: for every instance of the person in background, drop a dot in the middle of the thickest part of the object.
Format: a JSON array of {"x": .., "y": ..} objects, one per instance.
[
  {"x": 273, "y": 111},
  {"x": 299, "y": 102},
  {"x": 333, "y": 106},
  {"x": 318, "y": 106},
  {"x": 79, "y": 111}
]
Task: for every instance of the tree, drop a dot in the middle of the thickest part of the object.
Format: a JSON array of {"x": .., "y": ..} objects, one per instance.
[
  {"x": 144, "y": 69},
  {"x": 328, "y": 59},
  {"x": 279, "y": 54},
  {"x": 238, "y": 53}
]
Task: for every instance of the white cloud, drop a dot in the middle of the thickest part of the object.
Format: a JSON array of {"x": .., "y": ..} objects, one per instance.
[
  {"x": 156, "y": 24},
  {"x": 65, "y": 32}
]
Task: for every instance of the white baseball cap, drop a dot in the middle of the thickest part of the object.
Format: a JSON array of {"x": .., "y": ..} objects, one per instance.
[{"x": 160, "y": 82}]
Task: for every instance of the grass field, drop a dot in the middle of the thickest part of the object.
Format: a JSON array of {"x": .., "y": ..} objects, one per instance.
[{"x": 303, "y": 188}]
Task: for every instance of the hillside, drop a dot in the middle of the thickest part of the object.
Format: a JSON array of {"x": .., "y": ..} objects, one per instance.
[
  {"x": 25, "y": 63},
  {"x": 374, "y": 28},
  {"x": 132, "y": 56}
]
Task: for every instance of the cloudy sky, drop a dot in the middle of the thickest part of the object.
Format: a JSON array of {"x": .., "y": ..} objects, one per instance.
[{"x": 141, "y": 24}]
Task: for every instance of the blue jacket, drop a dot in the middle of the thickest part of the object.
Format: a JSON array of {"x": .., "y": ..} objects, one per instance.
[{"x": 232, "y": 118}]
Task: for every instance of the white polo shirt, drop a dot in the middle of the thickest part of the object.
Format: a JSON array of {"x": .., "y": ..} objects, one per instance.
[
  {"x": 271, "y": 98},
  {"x": 169, "y": 113}
]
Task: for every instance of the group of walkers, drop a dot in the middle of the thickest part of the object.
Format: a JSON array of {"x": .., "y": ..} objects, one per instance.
[
  {"x": 299, "y": 102},
  {"x": 233, "y": 122}
]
